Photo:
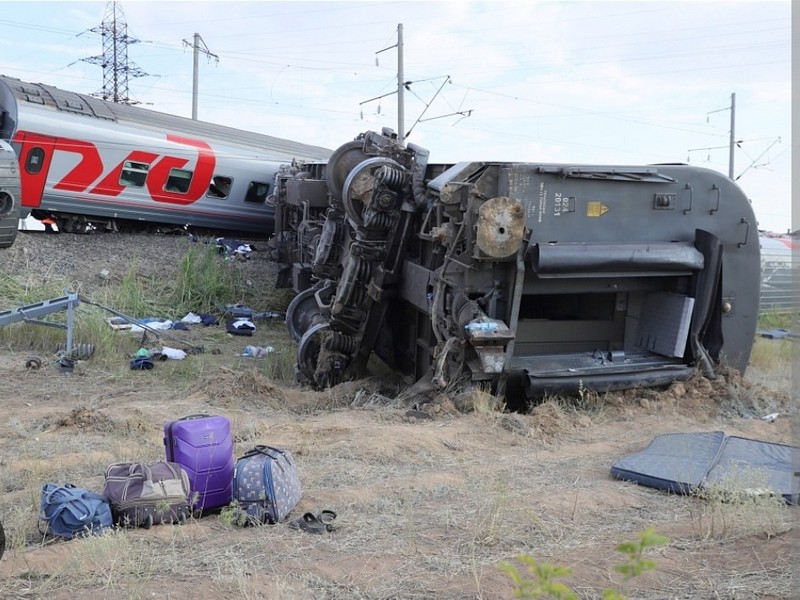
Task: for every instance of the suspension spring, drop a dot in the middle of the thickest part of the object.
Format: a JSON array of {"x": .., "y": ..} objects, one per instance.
[
  {"x": 392, "y": 177},
  {"x": 363, "y": 270},
  {"x": 341, "y": 342},
  {"x": 358, "y": 295},
  {"x": 378, "y": 220}
]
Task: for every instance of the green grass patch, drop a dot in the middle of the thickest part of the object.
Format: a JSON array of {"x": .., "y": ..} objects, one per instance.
[
  {"x": 201, "y": 282},
  {"x": 776, "y": 320}
]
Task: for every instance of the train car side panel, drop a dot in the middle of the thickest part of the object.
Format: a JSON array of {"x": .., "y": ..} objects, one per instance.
[{"x": 77, "y": 177}]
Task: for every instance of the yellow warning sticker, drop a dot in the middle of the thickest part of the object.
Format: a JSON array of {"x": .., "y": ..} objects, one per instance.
[{"x": 596, "y": 209}]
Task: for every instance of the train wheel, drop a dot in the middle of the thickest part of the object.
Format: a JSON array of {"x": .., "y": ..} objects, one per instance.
[
  {"x": 77, "y": 224},
  {"x": 341, "y": 163},
  {"x": 305, "y": 309},
  {"x": 359, "y": 188},
  {"x": 301, "y": 312},
  {"x": 66, "y": 225},
  {"x": 308, "y": 349}
]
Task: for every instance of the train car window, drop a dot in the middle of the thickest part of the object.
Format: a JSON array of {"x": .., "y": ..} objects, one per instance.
[
  {"x": 257, "y": 192},
  {"x": 220, "y": 187},
  {"x": 133, "y": 174},
  {"x": 178, "y": 181},
  {"x": 35, "y": 160}
]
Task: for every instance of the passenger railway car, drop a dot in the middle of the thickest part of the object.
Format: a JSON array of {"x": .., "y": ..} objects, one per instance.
[
  {"x": 86, "y": 162},
  {"x": 9, "y": 195},
  {"x": 531, "y": 278}
]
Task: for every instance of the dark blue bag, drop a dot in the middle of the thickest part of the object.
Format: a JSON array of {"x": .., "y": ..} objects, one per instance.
[{"x": 69, "y": 511}]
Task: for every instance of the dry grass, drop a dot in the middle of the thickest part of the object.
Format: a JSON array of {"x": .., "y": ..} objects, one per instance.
[
  {"x": 740, "y": 505},
  {"x": 430, "y": 500},
  {"x": 425, "y": 510}
]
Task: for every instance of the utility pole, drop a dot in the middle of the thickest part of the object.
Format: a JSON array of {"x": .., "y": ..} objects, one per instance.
[
  {"x": 732, "y": 143},
  {"x": 401, "y": 125},
  {"x": 195, "y": 71},
  {"x": 402, "y": 85}
]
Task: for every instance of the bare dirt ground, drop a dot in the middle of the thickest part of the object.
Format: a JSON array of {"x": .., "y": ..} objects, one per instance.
[{"x": 429, "y": 499}]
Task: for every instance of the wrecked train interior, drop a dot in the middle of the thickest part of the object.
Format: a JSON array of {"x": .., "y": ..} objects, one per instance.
[{"x": 531, "y": 278}]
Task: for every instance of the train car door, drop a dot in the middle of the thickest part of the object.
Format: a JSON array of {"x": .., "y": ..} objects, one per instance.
[{"x": 35, "y": 154}]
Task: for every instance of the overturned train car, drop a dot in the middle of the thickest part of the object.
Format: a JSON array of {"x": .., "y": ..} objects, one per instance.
[
  {"x": 532, "y": 278},
  {"x": 9, "y": 195}
]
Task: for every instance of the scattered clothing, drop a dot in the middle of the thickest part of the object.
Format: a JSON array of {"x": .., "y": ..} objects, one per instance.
[
  {"x": 234, "y": 248},
  {"x": 207, "y": 319},
  {"x": 237, "y": 310},
  {"x": 142, "y": 363},
  {"x": 257, "y": 351},
  {"x": 156, "y": 324},
  {"x": 239, "y": 326},
  {"x": 173, "y": 353}
]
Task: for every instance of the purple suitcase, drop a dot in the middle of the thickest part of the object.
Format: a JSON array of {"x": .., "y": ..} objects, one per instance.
[{"x": 203, "y": 446}]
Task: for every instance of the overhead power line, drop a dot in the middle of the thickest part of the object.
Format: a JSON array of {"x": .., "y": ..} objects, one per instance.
[{"x": 403, "y": 85}]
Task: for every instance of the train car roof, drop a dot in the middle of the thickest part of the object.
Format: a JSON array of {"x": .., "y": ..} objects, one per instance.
[{"x": 82, "y": 104}]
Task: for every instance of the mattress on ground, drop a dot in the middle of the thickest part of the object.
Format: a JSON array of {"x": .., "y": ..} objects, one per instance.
[
  {"x": 676, "y": 462},
  {"x": 747, "y": 464},
  {"x": 683, "y": 462}
]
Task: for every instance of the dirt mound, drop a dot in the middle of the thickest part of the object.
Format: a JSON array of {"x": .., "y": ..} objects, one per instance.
[
  {"x": 83, "y": 418},
  {"x": 729, "y": 394},
  {"x": 243, "y": 387}
]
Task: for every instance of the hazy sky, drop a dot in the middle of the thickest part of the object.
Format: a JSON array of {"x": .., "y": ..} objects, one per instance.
[{"x": 585, "y": 82}]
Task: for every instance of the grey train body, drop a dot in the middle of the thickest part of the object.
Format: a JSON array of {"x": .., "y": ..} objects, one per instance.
[{"x": 90, "y": 162}]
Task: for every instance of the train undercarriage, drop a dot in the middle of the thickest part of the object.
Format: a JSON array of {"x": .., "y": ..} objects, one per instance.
[{"x": 529, "y": 278}]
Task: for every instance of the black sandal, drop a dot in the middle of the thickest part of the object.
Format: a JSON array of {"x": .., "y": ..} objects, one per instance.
[
  {"x": 327, "y": 517},
  {"x": 309, "y": 523}
]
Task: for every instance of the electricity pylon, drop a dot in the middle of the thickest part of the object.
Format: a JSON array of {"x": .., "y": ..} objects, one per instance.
[{"x": 117, "y": 69}]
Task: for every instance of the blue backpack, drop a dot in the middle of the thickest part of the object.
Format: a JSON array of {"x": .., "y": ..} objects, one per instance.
[{"x": 69, "y": 511}]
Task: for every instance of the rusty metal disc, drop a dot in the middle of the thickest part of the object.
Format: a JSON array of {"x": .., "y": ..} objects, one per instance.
[
  {"x": 341, "y": 163},
  {"x": 501, "y": 225}
]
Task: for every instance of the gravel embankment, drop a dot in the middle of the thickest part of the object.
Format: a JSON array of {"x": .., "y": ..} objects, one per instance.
[{"x": 85, "y": 260}]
